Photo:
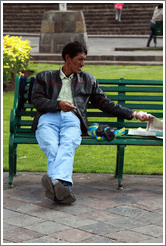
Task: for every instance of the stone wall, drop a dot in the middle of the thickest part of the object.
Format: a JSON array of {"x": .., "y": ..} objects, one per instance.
[{"x": 61, "y": 27}]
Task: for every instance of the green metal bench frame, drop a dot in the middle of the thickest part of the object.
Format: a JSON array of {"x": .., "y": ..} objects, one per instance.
[
  {"x": 158, "y": 30},
  {"x": 143, "y": 95}
]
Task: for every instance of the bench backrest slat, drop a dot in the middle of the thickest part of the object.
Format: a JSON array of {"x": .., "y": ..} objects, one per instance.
[
  {"x": 130, "y": 82},
  {"x": 131, "y": 89},
  {"x": 135, "y": 98},
  {"x": 140, "y": 95}
]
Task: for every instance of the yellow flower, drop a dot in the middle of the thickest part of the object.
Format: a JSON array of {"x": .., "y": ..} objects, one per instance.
[{"x": 16, "y": 54}]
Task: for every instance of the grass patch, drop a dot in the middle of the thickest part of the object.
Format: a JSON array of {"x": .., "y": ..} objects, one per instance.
[
  {"x": 97, "y": 159},
  {"x": 109, "y": 71}
]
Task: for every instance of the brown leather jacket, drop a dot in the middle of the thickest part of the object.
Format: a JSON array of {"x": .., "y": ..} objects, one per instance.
[{"x": 84, "y": 89}]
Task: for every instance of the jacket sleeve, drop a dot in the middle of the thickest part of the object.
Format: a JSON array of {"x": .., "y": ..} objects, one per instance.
[
  {"x": 99, "y": 100},
  {"x": 40, "y": 96}
]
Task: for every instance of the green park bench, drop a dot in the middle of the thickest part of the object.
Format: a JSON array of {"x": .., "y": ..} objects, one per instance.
[
  {"x": 144, "y": 95},
  {"x": 158, "y": 30}
]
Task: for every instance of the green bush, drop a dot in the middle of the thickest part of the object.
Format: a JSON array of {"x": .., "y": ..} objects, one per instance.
[{"x": 16, "y": 55}]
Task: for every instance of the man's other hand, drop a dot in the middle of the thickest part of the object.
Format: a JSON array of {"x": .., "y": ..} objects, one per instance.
[
  {"x": 66, "y": 106},
  {"x": 142, "y": 116}
]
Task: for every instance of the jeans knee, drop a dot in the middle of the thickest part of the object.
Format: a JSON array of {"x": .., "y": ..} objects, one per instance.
[
  {"x": 71, "y": 143},
  {"x": 50, "y": 149}
]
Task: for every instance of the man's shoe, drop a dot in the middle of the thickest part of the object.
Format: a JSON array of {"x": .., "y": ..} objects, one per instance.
[
  {"x": 61, "y": 192},
  {"x": 47, "y": 184},
  {"x": 66, "y": 201},
  {"x": 49, "y": 195},
  {"x": 57, "y": 192}
]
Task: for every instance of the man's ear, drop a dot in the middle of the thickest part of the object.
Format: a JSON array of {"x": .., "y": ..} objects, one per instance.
[{"x": 67, "y": 57}]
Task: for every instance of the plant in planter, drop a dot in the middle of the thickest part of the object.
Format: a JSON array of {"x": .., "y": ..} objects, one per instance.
[{"x": 16, "y": 56}]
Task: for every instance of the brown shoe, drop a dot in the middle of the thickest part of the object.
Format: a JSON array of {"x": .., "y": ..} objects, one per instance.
[
  {"x": 58, "y": 192},
  {"x": 47, "y": 184},
  {"x": 66, "y": 201}
]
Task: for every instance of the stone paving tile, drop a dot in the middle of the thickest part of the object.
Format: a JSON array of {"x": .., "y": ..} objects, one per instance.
[
  {"x": 152, "y": 230},
  {"x": 127, "y": 211},
  {"x": 123, "y": 198},
  {"x": 7, "y": 227},
  {"x": 90, "y": 192},
  {"x": 75, "y": 209},
  {"x": 76, "y": 222},
  {"x": 82, "y": 198},
  {"x": 100, "y": 204},
  {"x": 72, "y": 235},
  {"x": 6, "y": 241},
  {"x": 152, "y": 240},
  {"x": 47, "y": 227},
  {"x": 125, "y": 223},
  {"x": 99, "y": 215},
  {"x": 54, "y": 215},
  {"x": 9, "y": 202},
  {"x": 158, "y": 223},
  {"x": 32, "y": 188},
  {"x": 139, "y": 214},
  {"x": 29, "y": 209},
  {"x": 29, "y": 197},
  {"x": 151, "y": 217},
  {"x": 99, "y": 239},
  {"x": 46, "y": 203},
  {"x": 8, "y": 213},
  {"x": 144, "y": 194},
  {"x": 149, "y": 205},
  {"x": 44, "y": 239},
  {"x": 20, "y": 234},
  {"x": 100, "y": 228},
  {"x": 23, "y": 220},
  {"x": 159, "y": 211},
  {"x": 156, "y": 190},
  {"x": 127, "y": 236},
  {"x": 16, "y": 191}
]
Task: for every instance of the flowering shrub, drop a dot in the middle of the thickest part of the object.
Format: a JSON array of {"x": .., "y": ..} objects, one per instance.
[{"x": 16, "y": 55}]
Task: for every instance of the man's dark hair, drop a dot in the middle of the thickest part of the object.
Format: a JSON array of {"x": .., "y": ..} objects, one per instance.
[{"x": 72, "y": 49}]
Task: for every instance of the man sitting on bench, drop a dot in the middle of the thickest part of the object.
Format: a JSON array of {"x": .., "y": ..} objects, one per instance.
[{"x": 61, "y": 98}]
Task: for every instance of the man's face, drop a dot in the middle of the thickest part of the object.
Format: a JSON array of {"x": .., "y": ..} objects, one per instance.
[{"x": 76, "y": 63}]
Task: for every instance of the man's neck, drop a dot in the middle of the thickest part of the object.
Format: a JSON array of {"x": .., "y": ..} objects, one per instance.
[{"x": 66, "y": 71}]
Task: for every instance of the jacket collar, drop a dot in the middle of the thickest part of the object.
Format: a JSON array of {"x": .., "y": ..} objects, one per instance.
[{"x": 63, "y": 76}]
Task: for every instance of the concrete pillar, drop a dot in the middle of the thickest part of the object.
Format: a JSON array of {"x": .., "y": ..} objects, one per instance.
[{"x": 61, "y": 27}]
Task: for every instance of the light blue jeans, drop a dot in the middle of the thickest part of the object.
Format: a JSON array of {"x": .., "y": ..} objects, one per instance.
[{"x": 58, "y": 135}]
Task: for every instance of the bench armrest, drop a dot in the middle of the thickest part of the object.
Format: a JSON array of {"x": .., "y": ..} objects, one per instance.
[{"x": 12, "y": 120}]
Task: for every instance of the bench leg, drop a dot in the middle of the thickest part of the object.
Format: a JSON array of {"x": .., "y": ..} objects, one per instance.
[
  {"x": 116, "y": 171},
  {"x": 12, "y": 159},
  {"x": 119, "y": 165}
]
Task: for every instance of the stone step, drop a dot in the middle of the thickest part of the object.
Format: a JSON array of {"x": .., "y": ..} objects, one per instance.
[
  {"x": 90, "y": 32},
  {"x": 113, "y": 26},
  {"x": 58, "y": 57},
  {"x": 103, "y": 62},
  {"x": 77, "y": 6},
  {"x": 99, "y": 17}
]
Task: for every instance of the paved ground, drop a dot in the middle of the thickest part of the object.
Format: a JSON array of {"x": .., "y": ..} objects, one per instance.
[
  {"x": 101, "y": 213},
  {"x": 104, "y": 45},
  {"x": 102, "y": 50}
]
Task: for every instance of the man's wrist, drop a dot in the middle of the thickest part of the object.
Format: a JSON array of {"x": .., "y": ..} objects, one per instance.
[{"x": 58, "y": 105}]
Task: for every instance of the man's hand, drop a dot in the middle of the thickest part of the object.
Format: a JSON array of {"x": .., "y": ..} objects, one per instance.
[
  {"x": 66, "y": 106},
  {"x": 142, "y": 116}
]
